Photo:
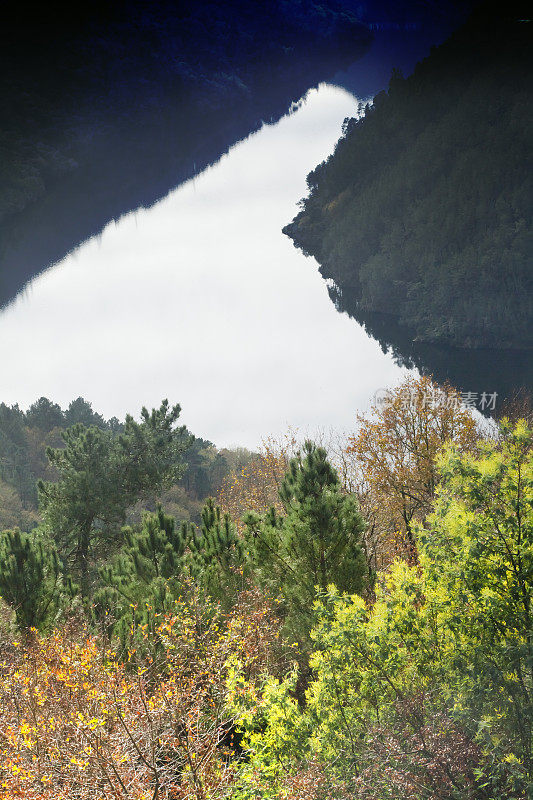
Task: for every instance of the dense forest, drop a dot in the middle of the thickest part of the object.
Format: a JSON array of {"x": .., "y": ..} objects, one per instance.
[
  {"x": 424, "y": 209},
  {"x": 348, "y": 620},
  {"x": 107, "y": 107},
  {"x": 26, "y": 435},
  {"x": 119, "y": 102}
]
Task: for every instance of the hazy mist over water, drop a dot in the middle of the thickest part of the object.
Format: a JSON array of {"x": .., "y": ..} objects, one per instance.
[{"x": 203, "y": 300}]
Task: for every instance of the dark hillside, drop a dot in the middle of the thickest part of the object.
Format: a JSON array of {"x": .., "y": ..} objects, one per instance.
[
  {"x": 109, "y": 106},
  {"x": 424, "y": 210}
]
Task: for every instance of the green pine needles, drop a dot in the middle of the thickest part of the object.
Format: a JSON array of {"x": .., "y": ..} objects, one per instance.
[{"x": 30, "y": 578}]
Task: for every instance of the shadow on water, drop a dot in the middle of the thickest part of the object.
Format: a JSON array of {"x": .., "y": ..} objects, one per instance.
[
  {"x": 132, "y": 165},
  {"x": 469, "y": 370}
]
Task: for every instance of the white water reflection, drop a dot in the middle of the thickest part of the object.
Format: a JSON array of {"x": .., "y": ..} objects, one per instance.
[{"x": 202, "y": 299}]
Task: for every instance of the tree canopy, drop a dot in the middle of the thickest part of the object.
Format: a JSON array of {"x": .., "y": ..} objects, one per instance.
[
  {"x": 428, "y": 692},
  {"x": 101, "y": 474},
  {"x": 316, "y": 540}
]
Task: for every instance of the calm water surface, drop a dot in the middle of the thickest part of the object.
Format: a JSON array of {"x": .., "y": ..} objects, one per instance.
[{"x": 202, "y": 299}]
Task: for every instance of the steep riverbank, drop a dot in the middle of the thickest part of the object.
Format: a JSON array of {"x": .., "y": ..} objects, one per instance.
[{"x": 424, "y": 210}]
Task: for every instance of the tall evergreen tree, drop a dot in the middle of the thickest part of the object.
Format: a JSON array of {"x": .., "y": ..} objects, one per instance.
[
  {"x": 100, "y": 475},
  {"x": 15, "y": 466},
  {"x": 81, "y": 410},
  {"x": 152, "y": 553},
  {"x": 315, "y": 543},
  {"x": 217, "y": 555},
  {"x": 45, "y": 415},
  {"x": 30, "y": 574},
  {"x": 145, "y": 577}
]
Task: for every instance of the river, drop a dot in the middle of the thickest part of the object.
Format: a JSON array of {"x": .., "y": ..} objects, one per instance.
[{"x": 203, "y": 300}]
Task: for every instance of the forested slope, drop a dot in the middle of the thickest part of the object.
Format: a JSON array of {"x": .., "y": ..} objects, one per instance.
[
  {"x": 359, "y": 631},
  {"x": 424, "y": 209},
  {"x": 107, "y": 107}
]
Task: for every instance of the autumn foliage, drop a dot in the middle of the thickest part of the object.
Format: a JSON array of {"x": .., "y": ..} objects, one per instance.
[
  {"x": 393, "y": 456},
  {"x": 77, "y": 723},
  {"x": 353, "y": 624},
  {"x": 256, "y": 486}
]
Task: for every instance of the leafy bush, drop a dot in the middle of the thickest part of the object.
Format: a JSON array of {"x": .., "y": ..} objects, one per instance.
[{"x": 428, "y": 692}]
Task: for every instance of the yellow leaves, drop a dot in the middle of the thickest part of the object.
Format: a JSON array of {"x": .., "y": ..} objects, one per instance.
[
  {"x": 79, "y": 763},
  {"x": 39, "y": 696},
  {"x": 510, "y": 758},
  {"x": 70, "y": 707},
  {"x": 27, "y": 733},
  {"x": 395, "y": 452},
  {"x": 255, "y": 486}
]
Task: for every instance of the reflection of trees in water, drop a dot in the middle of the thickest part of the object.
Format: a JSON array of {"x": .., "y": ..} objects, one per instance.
[
  {"x": 118, "y": 117},
  {"x": 469, "y": 370},
  {"x": 134, "y": 164}
]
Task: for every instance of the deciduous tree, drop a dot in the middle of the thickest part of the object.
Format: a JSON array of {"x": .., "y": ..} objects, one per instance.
[
  {"x": 255, "y": 487},
  {"x": 428, "y": 692},
  {"x": 396, "y": 452}
]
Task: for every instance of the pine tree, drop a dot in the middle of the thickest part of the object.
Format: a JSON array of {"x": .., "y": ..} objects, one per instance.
[
  {"x": 81, "y": 411},
  {"x": 101, "y": 474},
  {"x": 217, "y": 555},
  {"x": 315, "y": 543},
  {"x": 45, "y": 415},
  {"x": 15, "y": 466},
  {"x": 144, "y": 579},
  {"x": 30, "y": 577},
  {"x": 152, "y": 553}
]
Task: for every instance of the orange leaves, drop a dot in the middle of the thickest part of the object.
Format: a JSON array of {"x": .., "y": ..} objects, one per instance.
[
  {"x": 52, "y": 704},
  {"x": 75, "y": 724},
  {"x": 396, "y": 452},
  {"x": 255, "y": 487}
]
